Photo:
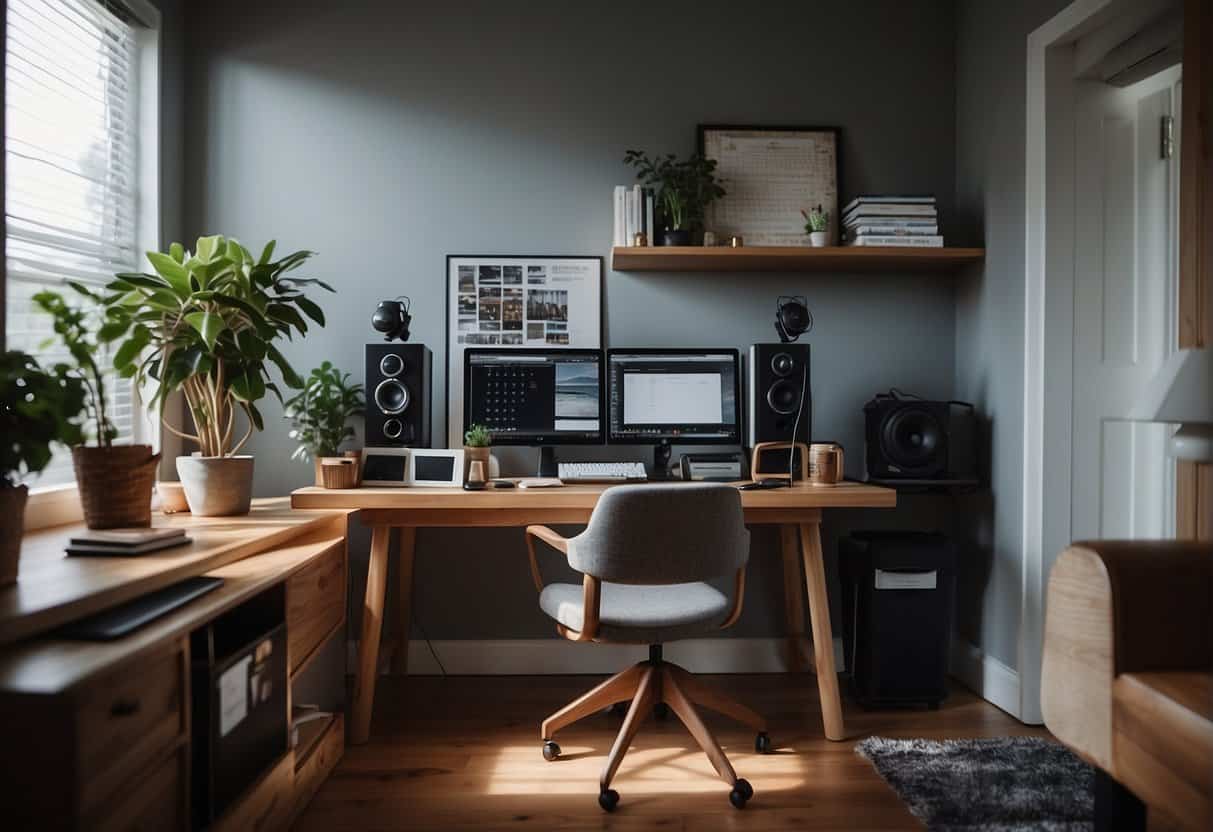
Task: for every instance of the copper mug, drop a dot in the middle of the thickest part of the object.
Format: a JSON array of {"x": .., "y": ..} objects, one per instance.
[{"x": 825, "y": 463}]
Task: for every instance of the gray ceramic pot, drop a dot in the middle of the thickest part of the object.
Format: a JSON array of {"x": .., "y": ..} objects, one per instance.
[{"x": 216, "y": 486}]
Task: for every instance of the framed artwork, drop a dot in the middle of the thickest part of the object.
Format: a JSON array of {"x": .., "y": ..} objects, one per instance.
[
  {"x": 504, "y": 302},
  {"x": 771, "y": 174}
]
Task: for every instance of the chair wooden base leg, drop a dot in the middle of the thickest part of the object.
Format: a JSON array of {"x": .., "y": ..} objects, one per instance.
[
  {"x": 619, "y": 688},
  {"x": 707, "y": 697},
  {"x": 647, "y": 695},
  {"x": 682, "y": 706}
]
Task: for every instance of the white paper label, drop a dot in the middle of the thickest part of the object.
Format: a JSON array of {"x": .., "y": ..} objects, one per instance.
[
  {"x": 905, "y": 580},
  {"x": 233, "y": 696}
]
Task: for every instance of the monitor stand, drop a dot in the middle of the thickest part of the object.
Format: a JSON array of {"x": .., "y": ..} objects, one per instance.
[
  {"x": 547, "y": 462},
  {"x": 661, "y": 460}
]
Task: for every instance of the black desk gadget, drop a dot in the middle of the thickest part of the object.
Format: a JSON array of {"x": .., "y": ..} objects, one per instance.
[{"x": 118, "y": 621}]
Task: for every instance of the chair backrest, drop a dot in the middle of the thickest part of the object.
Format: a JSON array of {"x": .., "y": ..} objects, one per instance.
[{"x": 663, "y": 534}]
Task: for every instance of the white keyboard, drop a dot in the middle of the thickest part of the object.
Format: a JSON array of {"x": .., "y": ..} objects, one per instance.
[{"x": 601, "y": 471}]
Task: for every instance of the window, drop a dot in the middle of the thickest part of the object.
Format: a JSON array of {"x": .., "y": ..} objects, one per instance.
[{"x": 71, "y": 191}]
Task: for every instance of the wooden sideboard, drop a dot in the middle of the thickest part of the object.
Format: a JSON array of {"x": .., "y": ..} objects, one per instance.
[{"x": 97, "y": 734}]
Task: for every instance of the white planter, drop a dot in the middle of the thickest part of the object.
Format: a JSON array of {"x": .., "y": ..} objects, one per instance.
[
  {"x": 217, "y": 486},
  {"x": 819, "y": 239}
]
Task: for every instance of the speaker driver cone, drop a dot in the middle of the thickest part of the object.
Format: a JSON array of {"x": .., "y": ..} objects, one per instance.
[
  {"x": 392, "y": 428},
  {"x": 391, "y": 365},
  {"x": 784, "y": 397},
  {"x": 912, "y": 439},
  {"x": 782, "y": 364},
  {"x": 392, "y": 397}
]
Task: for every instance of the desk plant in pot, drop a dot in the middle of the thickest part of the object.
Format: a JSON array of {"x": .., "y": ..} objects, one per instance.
[
  {"x": 37, "y": 408},
  {"x": 684, "y": 191},
  {"x": 320, "y": 414},
  {"x": 208, "y": 324},
  {"x": 115, "y": 481}
]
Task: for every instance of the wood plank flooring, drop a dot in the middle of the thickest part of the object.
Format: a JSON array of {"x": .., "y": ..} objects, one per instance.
[{"x": 463, "y": 753}]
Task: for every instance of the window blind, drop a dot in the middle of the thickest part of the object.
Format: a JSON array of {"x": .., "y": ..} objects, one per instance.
[{"x": 70, "y": 189}]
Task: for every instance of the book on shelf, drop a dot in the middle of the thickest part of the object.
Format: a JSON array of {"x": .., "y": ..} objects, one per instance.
[
  {"x": 633, "y": 214},
  {"x": 893, "y": 209},
  {"x": 881, "y": 199},
  {"x": 893, "y": 229},
  {"x": 895, "y": 240}
]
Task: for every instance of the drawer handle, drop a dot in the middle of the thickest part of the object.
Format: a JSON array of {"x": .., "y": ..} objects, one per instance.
[{"x": 125, "y": 707}]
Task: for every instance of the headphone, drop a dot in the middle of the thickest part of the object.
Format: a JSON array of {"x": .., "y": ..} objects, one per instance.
[
  {"x": 792, "y": 317},
  {"x": 392, "y": 318}
]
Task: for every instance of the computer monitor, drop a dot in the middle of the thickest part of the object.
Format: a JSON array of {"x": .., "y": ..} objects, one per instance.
[
  {"x": 662, "y": 396},
  {"x": 535, "y": 397}
]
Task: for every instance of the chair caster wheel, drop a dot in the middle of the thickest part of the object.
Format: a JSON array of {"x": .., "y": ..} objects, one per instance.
[
  {"x": 742, "y": 792},
  {"x": 762, "y": 743},
  {"x": 608, "y": 799},
  {"x": 661, "y": 710},
  {"x": 550, "y": 751}
]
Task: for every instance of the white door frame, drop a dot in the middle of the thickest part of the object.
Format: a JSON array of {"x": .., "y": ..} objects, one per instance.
[{"x": 1049, "y": 160}]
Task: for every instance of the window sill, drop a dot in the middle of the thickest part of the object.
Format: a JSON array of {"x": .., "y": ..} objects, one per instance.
[{"x": 54, "y": 505}]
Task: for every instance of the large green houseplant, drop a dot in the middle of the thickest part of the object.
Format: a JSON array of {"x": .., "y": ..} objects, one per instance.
[
  {"x": 37, "y": 409},
  {"x": 208, "y": 324},
  {"x": 320, "y": 414},
  {"x": 115, "y": 481},
  {"x": 684, "y": 191}
]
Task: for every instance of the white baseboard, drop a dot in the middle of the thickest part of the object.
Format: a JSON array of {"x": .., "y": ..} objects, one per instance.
[
  {"x": 553, "y": 656},
  {"x": 986, "y": 676}
]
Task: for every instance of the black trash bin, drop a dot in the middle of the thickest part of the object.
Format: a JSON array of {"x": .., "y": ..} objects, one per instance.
[{"x": 898, "y": 591}]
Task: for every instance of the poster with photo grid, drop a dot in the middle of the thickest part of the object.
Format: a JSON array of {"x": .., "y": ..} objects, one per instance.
[{"x": 516, "y": 303}]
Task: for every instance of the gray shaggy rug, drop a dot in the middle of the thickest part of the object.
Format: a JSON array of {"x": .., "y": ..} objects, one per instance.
[{"x": 991, "y": 785}]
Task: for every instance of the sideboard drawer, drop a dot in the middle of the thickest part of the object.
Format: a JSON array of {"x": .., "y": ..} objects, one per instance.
[
  {"x": 315, "y": 603},
  {"x": 127, "y": 718},
  {"x": 154, "y": 801}
]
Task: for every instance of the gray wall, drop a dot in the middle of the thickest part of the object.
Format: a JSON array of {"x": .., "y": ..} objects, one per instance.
[
  {"x": 385, "y": 136},
  {"x": 991, "y": 84}
]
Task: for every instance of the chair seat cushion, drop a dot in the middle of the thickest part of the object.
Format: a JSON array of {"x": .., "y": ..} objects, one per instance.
[{"x": 641, "y": 614}]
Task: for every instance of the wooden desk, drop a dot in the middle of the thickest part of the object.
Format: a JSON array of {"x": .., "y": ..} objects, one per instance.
[{"x": 796, "y": 510}]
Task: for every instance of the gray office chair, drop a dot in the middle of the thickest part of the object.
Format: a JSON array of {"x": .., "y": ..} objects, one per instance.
[{"x": 645, "y": 556}]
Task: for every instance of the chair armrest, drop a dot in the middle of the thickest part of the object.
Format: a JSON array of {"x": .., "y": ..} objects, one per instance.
[
  {"x": 551, "y": 538},
  {"x": 1115, "y": 607}
]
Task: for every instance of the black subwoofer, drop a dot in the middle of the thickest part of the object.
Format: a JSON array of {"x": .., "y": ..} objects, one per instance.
[
  {"x": 779, "y": 390},
  {"x": 909, "y": 438},
  {"x": 398, "y": 395}
]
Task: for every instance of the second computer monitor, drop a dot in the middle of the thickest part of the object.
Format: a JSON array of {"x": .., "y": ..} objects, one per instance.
[{"x": 662, "y": 396}]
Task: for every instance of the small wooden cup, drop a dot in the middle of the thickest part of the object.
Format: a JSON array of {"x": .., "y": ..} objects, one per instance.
[{"x": 825, "y": 463}]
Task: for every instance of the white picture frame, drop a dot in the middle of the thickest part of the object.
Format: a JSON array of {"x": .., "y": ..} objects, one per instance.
[
  {"x": 452, "y": 479},
  {"x": 547, "y": 301}
]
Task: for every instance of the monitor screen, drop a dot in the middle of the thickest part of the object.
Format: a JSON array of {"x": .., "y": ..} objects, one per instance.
[
  {"x": 535, "y": 397},
  {"x": 688, "y": 396}
]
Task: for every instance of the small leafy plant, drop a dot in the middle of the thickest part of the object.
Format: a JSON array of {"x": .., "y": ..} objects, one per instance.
[
  {"x": 76, "y": 328},
  {"x": 477, "y": 436},
  {"x": 684, "y": 188},
  {"x": 816, "y": 220},
  {"x": 37, "y": 409},
  {"x": 320, "y": 413}
]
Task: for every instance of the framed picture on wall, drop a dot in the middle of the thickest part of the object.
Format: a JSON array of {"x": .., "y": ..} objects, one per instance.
[
  {"x": 771, "y": 174},
  {"x": 516, "y": 302}
]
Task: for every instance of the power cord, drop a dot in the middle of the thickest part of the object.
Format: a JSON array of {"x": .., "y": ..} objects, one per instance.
[
  {"x": 429, "y": 644},
  {"x": 804, "y": 394}
]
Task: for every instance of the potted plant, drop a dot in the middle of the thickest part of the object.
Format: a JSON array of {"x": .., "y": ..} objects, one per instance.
[
  {"x": 320, "y": 414},
  {"x": 817, "y": 226},
  {"x": 208, "y": 324},
  {"x": 37, "y": 408},
  {"x": 115, "y": 481},
  {"x": 684, "y": 191},
  {"x": 477, "y": 447}
]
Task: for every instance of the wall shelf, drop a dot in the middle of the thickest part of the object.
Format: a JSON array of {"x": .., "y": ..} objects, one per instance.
[{"x": 791, "y": 259}]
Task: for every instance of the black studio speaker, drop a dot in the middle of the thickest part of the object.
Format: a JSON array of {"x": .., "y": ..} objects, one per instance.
[
  {"x": 909, "y": 438},
  {"x": 398, "y": 395},
  {"x": 779, "y": 391}
]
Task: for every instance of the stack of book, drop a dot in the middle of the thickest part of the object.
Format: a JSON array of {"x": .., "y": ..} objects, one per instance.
[
  {"x": 633, "y": 214},
  {"x": 126, "y": 542},
  {"x": 878, "y": 220}
]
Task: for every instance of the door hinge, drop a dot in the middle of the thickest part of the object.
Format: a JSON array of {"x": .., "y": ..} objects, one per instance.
[{"x": 1166, "y": 137}]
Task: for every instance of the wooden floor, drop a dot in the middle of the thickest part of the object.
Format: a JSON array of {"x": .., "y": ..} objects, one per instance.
[{"x": 464, "y": 753}]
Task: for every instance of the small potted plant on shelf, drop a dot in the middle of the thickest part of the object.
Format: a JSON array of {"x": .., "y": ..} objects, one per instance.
[
  {"x": 684, "y": 191},
  {"x": 208, "y": 324},
  {"x": 817, "y": 226},
  {"x": 115, "y": 481},
  {"x": 477, "y": 447},
  {"x": 320, "y": 415},
  {"x": 37, "y": 408}
]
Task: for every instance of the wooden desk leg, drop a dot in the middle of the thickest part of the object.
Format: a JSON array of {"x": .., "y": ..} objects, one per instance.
[
  {"x": 404, "y": 599},
  {"x": 372, "y": 629},
  {"x": 823, "y": 634},
  {"x": 799, "y": 658}
]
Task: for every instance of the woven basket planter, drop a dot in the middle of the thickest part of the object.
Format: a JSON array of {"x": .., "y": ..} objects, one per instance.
[
  {"x": 116, "y": 484},
  {"x": 12, "y": 522}
]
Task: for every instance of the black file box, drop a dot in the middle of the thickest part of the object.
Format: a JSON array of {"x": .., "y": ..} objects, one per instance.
[
  {"x": 239, "y": 683},
  {"x": 898, "y": 597}
]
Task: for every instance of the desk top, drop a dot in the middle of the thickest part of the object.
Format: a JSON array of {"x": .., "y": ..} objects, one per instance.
[
  {"x": 53, "y": 588},
  {"x": 570, "y": 503}
]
